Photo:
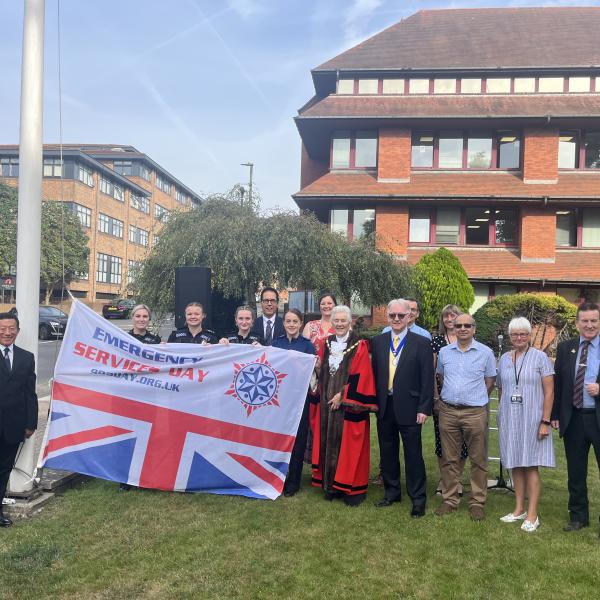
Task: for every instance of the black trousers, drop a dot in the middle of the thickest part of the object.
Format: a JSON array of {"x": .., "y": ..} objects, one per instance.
[
  {"x": 8, "y": 453},
  {"x": 581, "y": 433},
  {"x": 292, "y": 481},
  {"x": 389, "y": 433}
]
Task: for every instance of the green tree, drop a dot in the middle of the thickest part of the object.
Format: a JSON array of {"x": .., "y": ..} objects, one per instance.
[
  {"x": 245, "y": 249},
  {"x": 61, "y": 231},
  {"x": 440, "y": 279}
]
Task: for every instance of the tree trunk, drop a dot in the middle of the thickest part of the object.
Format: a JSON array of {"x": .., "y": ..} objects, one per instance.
[
  {"x": 251, "y": 295},
  {"x": 48, "y": 294}
]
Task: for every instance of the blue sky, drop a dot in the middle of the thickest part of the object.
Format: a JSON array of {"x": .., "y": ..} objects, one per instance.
[{"x": 199, "y": 85}]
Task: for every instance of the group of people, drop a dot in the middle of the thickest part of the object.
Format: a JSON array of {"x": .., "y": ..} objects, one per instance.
[{"x": 404, "y": 376}]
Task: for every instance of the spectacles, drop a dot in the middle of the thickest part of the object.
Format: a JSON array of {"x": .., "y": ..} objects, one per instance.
[
  {"x": 269, "y": 300},
  {"x": 516, "y": 335},
  {"x": 396, "y": 315},
  {"x": 463, "y": 325}
]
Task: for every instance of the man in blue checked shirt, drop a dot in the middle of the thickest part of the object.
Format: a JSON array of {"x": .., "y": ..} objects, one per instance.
[{"x": 467, "y": 369}]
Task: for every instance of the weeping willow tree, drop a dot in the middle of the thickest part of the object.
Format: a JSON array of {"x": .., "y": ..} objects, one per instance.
[{"x": 246, "y": 249}]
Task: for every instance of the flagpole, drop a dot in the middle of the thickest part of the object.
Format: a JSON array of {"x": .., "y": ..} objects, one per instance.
[{"x": 30, "y": 207}]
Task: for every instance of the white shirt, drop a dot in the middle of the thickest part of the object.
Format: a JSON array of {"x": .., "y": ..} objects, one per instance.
[{"x": 11, "y": 353}]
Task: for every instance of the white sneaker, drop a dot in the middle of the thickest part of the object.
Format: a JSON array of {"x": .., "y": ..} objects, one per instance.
[
  {"x": 511, "y": 517},
  {"x": 530, "y": 527}
]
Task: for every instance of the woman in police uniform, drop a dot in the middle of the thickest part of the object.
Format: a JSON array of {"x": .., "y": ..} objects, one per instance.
[
  {"x": 244, "y": 319},
  {"x": 140, "y": 315},
  {"x": 193, "y": 333}
]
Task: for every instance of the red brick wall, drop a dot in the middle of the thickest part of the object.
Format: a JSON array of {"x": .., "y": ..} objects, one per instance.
[
  {"x": 393, "y": 160},
  {"x": 311, "y": 169},
  {"x": 538, "y": 235},
  {"x": 540, "y": 158},
  {"x": 392, "y": 229}
]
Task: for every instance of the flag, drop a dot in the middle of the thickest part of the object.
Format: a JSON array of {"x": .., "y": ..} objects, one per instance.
[{"x": 184, "y": 417}]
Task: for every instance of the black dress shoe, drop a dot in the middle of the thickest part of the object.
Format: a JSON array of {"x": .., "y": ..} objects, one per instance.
[
  {"x": 5, "y": 521},
  {"x": 575, "y": 525},
  {"x": 385, "y": 502},
  {"x": 417, "y": 512},
  {"x": 289, "y": 493}
]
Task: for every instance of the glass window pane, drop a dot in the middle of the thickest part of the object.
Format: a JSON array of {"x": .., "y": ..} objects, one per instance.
[
  {"x": 509, "y": 150},
  {"x": 482, "y": 292},
  {"x": 418, "y": 86},
  {"x": 497, "y": 85},
  {"x": 366, "y": 149},
  {"x": 506, "y": 226},
  {"x": 505, "y": 290},
  {"x": 470, "y": 86},
  {"x": 444, "y": 86},
  {"x": 447, "y": 226},
  {"x": 422, "y": 150},
  {"x": 367, "y": 86},
  {"x": 548, "y": 85},
  {"x": 450, "y": 152},
  {"x": 419, "y": 225},
  {"x": 393, "y": 86},
  {"x": 579, "y": 84},
  {"x": 339, "y": 221},
  {"x": 566, "y": 227},
  {"x": 345, "y": 86},
  {"x": 477, "y": 223},
  {"x": 340, "y": 153},
  {"x": 524, "y": 85},
  {"x": 591, "y": 228},
  {"x": 592, "y": 150},
  {"x": 568, "y": 151},
  {"x": 364, "y": 223},
  {"x": 570, "y": 294},
  {"x": 479, "y": 153}
]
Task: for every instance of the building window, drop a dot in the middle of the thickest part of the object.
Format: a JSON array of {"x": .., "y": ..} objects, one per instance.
[
  {"x": 106, "y": 187},
  {"x": 123, "y": 167},
  {"x": 161, "y": 213},
  {"x": 551, "y": 85},
  {"x": 338, "y": 221},
  {"x": 345, "y": 86},
  {"x": 354, "y": 150},
  {"x": 118, "y": 193},
  {"x": 82, "y": 275},
  {"x": 566, "y": 227},
  {"x": 579, "y": 84},
  {"x": 418, "y": 86},
  {"x": 471, "y": 85},
  {"x": 568, "y": 150},
  {"x": 419, "y": 225},
  {"x": 509, "y": 150},
  {"x": 497, "y": 85},
  {"x": 140, "y": 203},
  {"x": 368, "y": 86},
  {"x": 590, "y": 228},
  {"x": 156, "y": 238},
  {"x": 393, "y": 86},
  {"x": 444, "y": 86},
  {"x": 110, "y": 226},
  {"x": 579, "y": 150},
  {"x": 52, "y": 167},
  {"x": 450, "y": 150},
  {"x": 591, "y": 147},
  {"x": 84, "y": 213},
  {"x": 85, "y": 175},
  {"x": 352, "y": 224},
  {"x": 524, "y": 85},
  {"x": 138, "y": 236},
  {"x": 163, "y": 184},
  {"x": 132, "y": 265},
  {"x": 479, "y": 152},
  {"x": 9, "y": 167},
  {"x": 422, "y": 150},
  {"x": 182, "y": 197},
  {"x": 144, "y": 172},
  {"x": 108, "y": 268},
  {"x": 447, "y": 226}
]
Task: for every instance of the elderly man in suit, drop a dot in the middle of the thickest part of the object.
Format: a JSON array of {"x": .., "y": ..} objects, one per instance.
[
  {"x": 403, "y": 368},
  {"x": 270, "y": 325},
  {"x": 576, "y": 411},
  {"x": 18, "y": 400}
]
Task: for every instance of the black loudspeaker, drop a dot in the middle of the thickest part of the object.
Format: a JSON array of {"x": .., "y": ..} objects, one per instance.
[{"x": 192, "y": 284}]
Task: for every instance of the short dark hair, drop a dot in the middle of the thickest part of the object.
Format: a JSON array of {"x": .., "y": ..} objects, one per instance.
[
  {"x": 269, "y": 289},
  {"x": 585, "y": 306},
  {"x": 411, "y": 299},
  {"x": 294, "y": 311},
  {"x": 327, "y": 295},
  {"x": 10, "y": 315}
]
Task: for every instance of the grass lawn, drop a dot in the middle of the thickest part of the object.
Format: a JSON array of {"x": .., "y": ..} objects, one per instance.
[{"x": 95, "y": 542}]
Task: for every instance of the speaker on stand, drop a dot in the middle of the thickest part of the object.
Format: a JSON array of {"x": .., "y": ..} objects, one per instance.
[{"x": 192, "y": 284}]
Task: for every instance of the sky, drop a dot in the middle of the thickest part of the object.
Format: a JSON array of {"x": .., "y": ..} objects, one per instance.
[{"x": 200, "y": 86}]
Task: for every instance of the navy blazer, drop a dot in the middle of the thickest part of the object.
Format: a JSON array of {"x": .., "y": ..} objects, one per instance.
[
  {"x": 18, "y": 400},
  {"x": 259, "y": 329},
  {"x": 413, "y": 380}
]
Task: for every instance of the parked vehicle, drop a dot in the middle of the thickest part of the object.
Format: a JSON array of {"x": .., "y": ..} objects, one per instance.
[
  {"x": 53, "y": 322},
  {"x": 119, "y": 308}
]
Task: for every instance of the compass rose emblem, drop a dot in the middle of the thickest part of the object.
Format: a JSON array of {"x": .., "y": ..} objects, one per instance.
[{"x": 255, "y": 384}]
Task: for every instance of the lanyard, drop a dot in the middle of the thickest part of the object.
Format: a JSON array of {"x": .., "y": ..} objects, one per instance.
[
  {"x": 518, "y": 375},
  {"x": 397, "y": 350}
]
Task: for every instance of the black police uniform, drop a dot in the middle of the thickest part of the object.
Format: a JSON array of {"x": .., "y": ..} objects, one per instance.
[
  {"x": 236, "y": 338},
  {"x": 147, "y": 338},
  {"x": 184, "y": 336}
]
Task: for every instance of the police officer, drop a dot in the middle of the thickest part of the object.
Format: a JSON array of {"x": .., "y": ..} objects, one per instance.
[
  {"x": 193, "y": 333},
  {"x": 244, "y": 319},
  {"x": 140, "y": 315}
]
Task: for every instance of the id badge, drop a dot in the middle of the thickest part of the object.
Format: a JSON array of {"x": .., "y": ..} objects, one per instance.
[{"x": 516, "y": 397}]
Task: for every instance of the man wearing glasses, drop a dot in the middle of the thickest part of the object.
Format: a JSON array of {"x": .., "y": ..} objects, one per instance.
[
  {"x": 270, "y": 325},
  {"x": 413, "y": 315},
  {"x": 403, "y": 370},
  {"x": 467, "y": 370}
]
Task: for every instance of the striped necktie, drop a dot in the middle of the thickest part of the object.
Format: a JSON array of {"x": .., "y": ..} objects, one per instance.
[{"x": 580, "y": 377}]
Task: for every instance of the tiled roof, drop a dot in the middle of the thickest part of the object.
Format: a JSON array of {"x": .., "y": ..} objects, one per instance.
[
  {"x": 573, "y": 266},
  {"x": 450, "y": 185},
  {"x": 439, "y": 107},
  {"x": 481, "y": 38}
]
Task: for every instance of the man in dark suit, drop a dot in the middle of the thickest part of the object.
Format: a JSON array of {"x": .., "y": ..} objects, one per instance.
[
  {"x": 270, "y": 325},
  {"x": 576, "y": 411},
  {"x": 403, "y": 368},
  {"x": 18, "y": 400}
]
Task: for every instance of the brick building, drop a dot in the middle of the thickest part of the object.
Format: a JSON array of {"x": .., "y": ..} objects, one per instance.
[
  {"x": 122, "y": 198},
  {"x": 473, "y": 129}
]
